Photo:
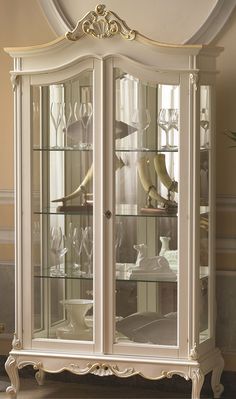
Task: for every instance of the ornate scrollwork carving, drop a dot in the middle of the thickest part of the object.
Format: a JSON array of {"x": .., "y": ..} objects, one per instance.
[
  {"x": 101, "y": 24},
  {"x": 16, "y": 343},
  {"x": 194, "y": 78},
  {"x": 194, "y": 353},
  {"x": 169, "y": 374},
  {"x": 14, "y": 80},
  {"x": 197, "y": 378},
  {"x": 12, "y": 371},
  {"x": 102, "y": 369}
]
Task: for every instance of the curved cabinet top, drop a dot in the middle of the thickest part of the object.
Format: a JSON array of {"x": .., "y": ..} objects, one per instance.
[{"x": 101, "y": 33}]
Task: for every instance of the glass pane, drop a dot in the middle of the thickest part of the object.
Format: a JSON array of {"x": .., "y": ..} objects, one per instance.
[
  {"x": 205, "y": 151},
  {"x": 146, "y": 223},
  {"x": 62, "y": 129}
]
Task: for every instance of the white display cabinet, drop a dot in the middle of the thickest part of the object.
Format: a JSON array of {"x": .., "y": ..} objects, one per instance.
[{"x": 115, "y": 192}]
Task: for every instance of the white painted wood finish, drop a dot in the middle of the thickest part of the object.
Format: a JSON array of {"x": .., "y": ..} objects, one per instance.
[{"x": 188, "y": 67}]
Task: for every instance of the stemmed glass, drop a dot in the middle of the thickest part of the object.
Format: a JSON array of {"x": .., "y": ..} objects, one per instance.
[
  {"x": 88, "y": 246},
  {"x": 56, "y": 115},
  {"x": 84, "y": 113},
  {"x": 58, "y": 248},
  {"x": 204, "y": 123},
  {"x": 77, "y": 244},
  {"x": 66, "y": 120},
  {"x": 141, "y": 120},
  {"x": 167, "y": 120}
]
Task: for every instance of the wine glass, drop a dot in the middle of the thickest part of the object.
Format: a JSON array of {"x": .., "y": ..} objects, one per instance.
[
  {"x": 163, "y": 122},
  {"x": 56, "y": 115},
  {"x": 168, "y": 120},
  {"x": 88, "y": 247},
  {"x": 84, "y": 113},
  {"x": 141, "y": 120},
  {"x": 58, "y": 248},
  {"x": 204, "y": 123},
  {"x": 77, "y": 244},
  {"x": 66, "y": 120}
]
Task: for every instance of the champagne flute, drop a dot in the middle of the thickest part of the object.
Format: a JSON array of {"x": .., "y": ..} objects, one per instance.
[
  {"x": 66, "y": 120},
  {"x": 204, "y": 123},
  {"x": 141, "y": 120},
  {"x": 58, "y": 249},
  {"x": 88, "y": 246},
  {"x": 84, "y": 113},
  {"x": 77, "y": 243},
  {"x": 56, "y": 115}
]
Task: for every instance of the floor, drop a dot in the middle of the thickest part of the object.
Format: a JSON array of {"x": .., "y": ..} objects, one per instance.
[{"x": 71, "y": 390}]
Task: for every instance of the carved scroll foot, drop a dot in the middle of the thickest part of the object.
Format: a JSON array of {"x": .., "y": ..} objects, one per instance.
[
  {"x": 197, "y": 383},
  {"x": 217, "y": 387},
  {"x": 12, "y": 371},
  {"x": 40, "y": 377}
]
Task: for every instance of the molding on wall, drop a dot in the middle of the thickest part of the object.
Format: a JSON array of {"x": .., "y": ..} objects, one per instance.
[
  {"x": 60, "y": 22},
  {"x": 6, "y": 197},
  {"x": 213, "y": 23},
  {"x": 56, "y": 18}
]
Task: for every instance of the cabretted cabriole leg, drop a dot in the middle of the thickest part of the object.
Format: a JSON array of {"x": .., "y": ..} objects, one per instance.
[
  {"x": 12, "y": 371},
  {"x": 217, "y": 387},
  {"x": 197, "y": 378}
]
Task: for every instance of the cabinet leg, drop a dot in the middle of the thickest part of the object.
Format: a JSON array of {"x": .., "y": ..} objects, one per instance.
[
  {"x": 197, "y": 383},
  {"x": 12, "y": 371},
  {"x": 217, "y": 387},
  {"x": 40, "y": 377}
]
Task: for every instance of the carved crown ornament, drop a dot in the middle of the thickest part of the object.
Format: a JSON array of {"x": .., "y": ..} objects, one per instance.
[{"x": 101, "y": 24}]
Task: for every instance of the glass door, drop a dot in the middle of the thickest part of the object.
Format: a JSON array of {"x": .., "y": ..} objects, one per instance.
[
  {"x": 206, "y": 263},
  {"x": 62, "y": 180},
  {"x": 146, "y": 169}
]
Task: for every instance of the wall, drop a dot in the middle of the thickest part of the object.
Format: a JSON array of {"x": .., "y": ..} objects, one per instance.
[
  {"x": 18, "y": 27},
  {"x": 226, "y": 194}
]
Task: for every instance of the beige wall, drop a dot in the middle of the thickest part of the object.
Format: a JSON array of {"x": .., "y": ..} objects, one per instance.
[{"x": 21, "y": 24}]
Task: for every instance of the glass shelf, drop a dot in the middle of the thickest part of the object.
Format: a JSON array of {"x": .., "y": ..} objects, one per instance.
[
  {"x": 119, "y": 213},
  {"x": 128, "y": 279},
  {"x": 161, "y": 150},
  {"x": 62, "y": 149}
]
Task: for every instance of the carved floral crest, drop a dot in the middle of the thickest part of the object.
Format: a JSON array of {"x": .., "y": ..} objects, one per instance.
[{"x": 101, "y": 24}]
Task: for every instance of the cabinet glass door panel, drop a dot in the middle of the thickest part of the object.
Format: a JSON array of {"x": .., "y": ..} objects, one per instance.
[
  {"x": 146, "y": 202},
  {"x": 205, "y": 210},
  {"x": 62, "y": 131}
]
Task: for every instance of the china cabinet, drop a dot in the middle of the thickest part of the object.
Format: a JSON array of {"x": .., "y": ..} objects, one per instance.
[{"x": 114, "y": 166}]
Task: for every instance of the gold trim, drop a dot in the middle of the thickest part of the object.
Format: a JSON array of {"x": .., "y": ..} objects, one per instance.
[
  {"x": 101, "y": 24},
  {"x": 35, "y": 47}
]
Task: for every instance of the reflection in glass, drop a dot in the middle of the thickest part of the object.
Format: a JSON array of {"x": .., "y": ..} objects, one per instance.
[
  {"x": 168, "y": 120},
  {"x": 141, "y": 121},
  {"x": 66, "y": 120},
  {"x": 205, "y": 218},
  {"x": 146, "y": 283},
  {"x": 58, "y": 249},
  {"x": 88, "y": 246},
  {"x": 62, "y": 264},
  {"x": 204, "y": 123},
  {"x": 56, "y": 115}
]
